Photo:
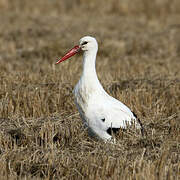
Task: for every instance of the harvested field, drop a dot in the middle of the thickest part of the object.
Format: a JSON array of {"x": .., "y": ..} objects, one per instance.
[{"x": 41, "y": 133}]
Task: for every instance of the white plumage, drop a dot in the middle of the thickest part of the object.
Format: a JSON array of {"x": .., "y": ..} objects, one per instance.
[{"x": 100, "y": 112}]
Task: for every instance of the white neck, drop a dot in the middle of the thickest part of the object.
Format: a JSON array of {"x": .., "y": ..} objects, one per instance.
[{"x": 89, "y": 77}]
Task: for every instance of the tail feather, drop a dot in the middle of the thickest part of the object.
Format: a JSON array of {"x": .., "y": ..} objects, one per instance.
[{"x": 143, "y": 132}]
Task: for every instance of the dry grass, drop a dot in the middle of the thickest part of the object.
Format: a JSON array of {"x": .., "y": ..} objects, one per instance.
[{"x": 41, "y": 134}]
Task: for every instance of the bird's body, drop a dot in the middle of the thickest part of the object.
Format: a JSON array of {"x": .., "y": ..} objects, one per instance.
[{"x": 100, "y": 112}]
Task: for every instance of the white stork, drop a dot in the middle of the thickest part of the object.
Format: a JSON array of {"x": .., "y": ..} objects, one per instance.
[{"x": 101, "y": 113}]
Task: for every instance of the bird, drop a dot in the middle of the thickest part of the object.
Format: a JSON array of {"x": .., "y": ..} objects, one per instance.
[{"x": 101, "y": 113}]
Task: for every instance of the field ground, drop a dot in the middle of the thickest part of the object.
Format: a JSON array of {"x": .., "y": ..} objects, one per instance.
[{"x": 41, "y": 133}]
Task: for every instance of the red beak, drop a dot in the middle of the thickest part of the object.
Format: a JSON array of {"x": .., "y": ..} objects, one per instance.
[{"x": 70, "y": 53}]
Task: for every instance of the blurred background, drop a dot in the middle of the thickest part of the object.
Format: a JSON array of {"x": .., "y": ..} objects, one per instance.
[{"x": 41, "y": 134}]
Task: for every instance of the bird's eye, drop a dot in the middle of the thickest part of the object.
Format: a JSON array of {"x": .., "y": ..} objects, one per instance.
[{"x": 85, "y": 42}]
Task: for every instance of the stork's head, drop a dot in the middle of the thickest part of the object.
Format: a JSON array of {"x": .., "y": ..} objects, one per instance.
[{"x": 86, "y": 44}]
